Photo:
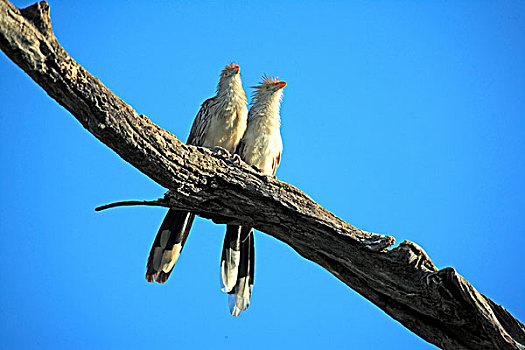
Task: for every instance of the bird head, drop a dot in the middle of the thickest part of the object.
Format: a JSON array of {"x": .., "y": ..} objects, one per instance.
[
  {"x": 269, "y": 85},
  {"x": 267, "y": 96},
  {"x": 230, "y": 70},
  {"x": 230, "y": 84}
]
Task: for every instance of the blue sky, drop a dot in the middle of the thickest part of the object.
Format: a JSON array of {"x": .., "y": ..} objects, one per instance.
[{"x": 404, "y": 118}]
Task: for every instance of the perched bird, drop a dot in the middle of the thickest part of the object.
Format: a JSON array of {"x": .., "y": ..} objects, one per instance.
[
  {"x": 220, "y": 122},
  {"x": 261, "y": 147}
]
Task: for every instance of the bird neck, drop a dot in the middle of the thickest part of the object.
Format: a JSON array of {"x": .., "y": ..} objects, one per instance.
[
  {"x": 230, "y": 89},
  {"x": 266, "y": 106}
]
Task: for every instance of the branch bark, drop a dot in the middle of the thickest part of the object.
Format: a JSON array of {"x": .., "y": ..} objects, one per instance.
[{"x": 438, "y": 305}]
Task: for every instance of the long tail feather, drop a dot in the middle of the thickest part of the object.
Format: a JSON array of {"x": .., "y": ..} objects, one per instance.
[
  {"x": 239, "y": 297},
  {"x": 168, "y": 245},
  {"x": 231, "y": 257}
]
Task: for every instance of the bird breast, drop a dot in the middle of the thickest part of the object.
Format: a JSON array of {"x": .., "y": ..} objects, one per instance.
[
  {"x": 227, "y": 128},
  {"x": 262, "y": 143}
]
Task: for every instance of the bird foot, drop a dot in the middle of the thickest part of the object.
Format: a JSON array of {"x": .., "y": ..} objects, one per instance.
[
  {"x": 268, "y": 178},
  {"x": 236, "y": 159},
  {"x": 221, "y": 152}
]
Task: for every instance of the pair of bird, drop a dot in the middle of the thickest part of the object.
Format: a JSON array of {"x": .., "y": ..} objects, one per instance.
[{"x": 224, "y": 121}]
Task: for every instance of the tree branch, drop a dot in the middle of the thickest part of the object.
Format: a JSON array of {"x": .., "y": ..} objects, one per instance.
[
  {"x": 438, "y": 305},
  {"x": 154, "y": 203}
]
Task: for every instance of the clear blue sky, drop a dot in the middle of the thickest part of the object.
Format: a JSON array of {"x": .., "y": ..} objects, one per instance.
[{"x": 401, "y": 117}]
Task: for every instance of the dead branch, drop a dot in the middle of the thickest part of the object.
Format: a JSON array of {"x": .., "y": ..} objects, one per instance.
[
  {"x": 438, "y": 305},
  {"x": 154, "y": 203}
]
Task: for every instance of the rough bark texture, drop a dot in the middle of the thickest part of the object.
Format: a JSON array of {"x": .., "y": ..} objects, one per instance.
[{"x": 438, "y": 305}]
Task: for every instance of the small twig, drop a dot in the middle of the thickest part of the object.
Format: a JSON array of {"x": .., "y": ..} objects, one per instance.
[{"x": 154, "y": 203}]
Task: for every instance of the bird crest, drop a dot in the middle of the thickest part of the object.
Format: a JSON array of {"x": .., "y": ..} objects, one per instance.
[{"x": 266, "y": 80}]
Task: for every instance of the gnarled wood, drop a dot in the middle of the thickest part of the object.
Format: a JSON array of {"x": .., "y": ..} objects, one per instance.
[{"x": 438, "y": 305}]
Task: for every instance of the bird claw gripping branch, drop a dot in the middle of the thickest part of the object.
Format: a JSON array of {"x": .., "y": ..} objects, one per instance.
[{"x": 221, "y": 152}]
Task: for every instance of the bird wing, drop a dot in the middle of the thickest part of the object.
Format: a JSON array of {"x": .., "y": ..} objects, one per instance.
[
  {"x": 241, "y": 148},
  {"x": 201, "y": 123}
]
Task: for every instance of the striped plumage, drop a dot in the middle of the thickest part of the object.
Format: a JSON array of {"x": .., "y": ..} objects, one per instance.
[
  {"x": 220, "y": 122},
  {"x": 261, "y": 147}
]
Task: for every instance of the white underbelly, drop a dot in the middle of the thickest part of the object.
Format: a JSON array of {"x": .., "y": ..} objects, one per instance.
[{"x": 262, "y": 152}]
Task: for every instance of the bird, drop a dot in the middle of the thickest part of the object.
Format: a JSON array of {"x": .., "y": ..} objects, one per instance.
[
  {"x": 261, "y": 147},
  {"x": 221, "y": 122}
]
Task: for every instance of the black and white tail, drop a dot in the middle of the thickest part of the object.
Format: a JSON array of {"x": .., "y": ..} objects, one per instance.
[
  {"x": 168, "y": 245},
  {"x": 231, "y": 257},
  {"x": 238, "y": 267}
]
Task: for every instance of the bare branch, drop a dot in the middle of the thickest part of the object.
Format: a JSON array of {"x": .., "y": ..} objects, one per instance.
[
  {"x": 438, "y": 305},
  {"x": 154, "y": 203}
]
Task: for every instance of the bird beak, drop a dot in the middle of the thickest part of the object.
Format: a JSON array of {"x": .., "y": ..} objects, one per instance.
[
  {"x": 237, "y": 69},
  {"x": 281, "y": 84}
]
